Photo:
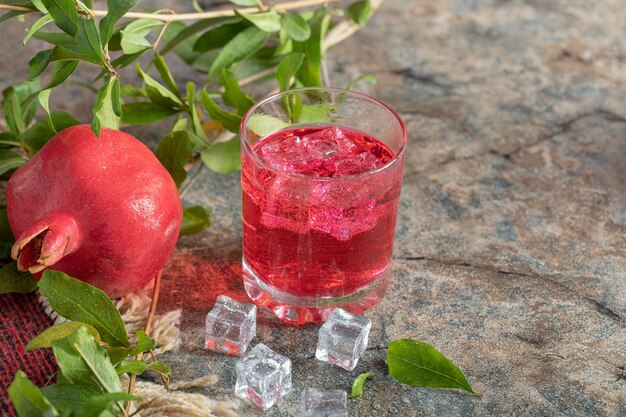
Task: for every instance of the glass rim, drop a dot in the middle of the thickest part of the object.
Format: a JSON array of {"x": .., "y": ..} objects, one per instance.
[{"x": 261, "y": 161}]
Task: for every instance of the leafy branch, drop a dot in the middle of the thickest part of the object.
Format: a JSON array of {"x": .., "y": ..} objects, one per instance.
[
  {"x": 92, "y": 352},
  {"x": 233, "y": 47},
  {"x": 176, "y": 17}
]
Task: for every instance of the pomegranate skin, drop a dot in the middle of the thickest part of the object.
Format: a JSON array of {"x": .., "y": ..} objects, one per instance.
[{"x": 101, "y": 209}]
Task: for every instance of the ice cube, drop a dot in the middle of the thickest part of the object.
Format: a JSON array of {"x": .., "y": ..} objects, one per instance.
[
  {"x": 263, "y": 376},
  {"x": 343, "y": 339},
  {"x": 230, "y": 326},
  {"x": 321, "y": 403}
]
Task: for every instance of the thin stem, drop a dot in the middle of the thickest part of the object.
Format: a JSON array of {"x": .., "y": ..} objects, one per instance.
[
  {"x": 153, "y": 305},
  {"x": 193, "y": 179},
  {"x": 159, "y": 36},
  {"x": 187, "y": 16},
  {"x": 257, "y": 76}
]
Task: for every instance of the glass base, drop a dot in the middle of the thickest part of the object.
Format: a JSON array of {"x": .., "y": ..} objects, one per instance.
[{"x": 298, "y": 310}]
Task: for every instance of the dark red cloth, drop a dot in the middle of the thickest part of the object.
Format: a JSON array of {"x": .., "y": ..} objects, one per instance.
[{"x": 21, "y": 319}]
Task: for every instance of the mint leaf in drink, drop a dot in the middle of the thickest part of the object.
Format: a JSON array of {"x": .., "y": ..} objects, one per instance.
[
  {"x": 195, "y": 219},
  {"x": 357, "y": 384},
  {"x": 419, "y": 364},
  {"x": 57, "y": 332},
  {"x": 79, "y": 301},
  {"x": 14, "y": 281},
  {"x": 28, "y": 399}
]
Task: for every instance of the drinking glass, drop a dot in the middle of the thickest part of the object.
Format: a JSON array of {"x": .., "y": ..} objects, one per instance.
[{"x": 313, "y": 242}]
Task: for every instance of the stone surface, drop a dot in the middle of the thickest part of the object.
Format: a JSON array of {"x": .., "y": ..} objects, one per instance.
[{"x": 511, "y": 246}]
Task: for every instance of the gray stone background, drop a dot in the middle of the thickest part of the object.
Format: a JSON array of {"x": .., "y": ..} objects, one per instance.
[{"x": 511, "y": 245}]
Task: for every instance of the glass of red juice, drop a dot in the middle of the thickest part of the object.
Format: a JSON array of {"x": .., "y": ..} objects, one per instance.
[{"x": 321, "y": 176}]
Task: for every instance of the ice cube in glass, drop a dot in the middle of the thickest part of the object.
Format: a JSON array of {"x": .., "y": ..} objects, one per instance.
[
  {"x": 343, "y": 339},
  {"x": 324, "y": 403},
  {"x": 230, "y": 326},
  {"x": 263, "y": 376}
]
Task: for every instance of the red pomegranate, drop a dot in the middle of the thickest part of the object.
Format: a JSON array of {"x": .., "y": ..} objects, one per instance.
[{"x": 101, "y": 209}]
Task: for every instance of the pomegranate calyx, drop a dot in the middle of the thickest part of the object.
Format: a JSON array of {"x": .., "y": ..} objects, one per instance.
[{"x": 45, "y": 243}]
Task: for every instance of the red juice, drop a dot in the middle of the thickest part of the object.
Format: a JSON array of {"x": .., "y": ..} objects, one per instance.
[{"x": 318, "y": 212}]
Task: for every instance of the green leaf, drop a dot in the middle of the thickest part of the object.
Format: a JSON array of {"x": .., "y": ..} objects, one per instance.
[
  {"x": 27, "y": 399},
  {"x": 178, "y": 35},
  {"x": 96, "y": 406},
  {"x": 60, "y": 72},
  {"x": 315, "y": 113},
  {"x": 232, "y": 95},
  {"x": 288, "y": 68},
  {"x": 245, "y": 3},
  {"x": 360, "y": 11},
  {"x": 39, "y": 6},
  {"x": 310, "y": 74},
  {"x": 59, "y": 331},
  {"x": 421, "y": 365},
  {"x": 26, "y": 93},
  {"x": 264, "y": 124},
  {"x": 69, "y": 397},
  {"x": 357, "y": 384},
  {"x": 10, "y": 14},
  {"x": 9, "y": 140},
  {"x": 14, "y": 281},
  {"x": 158, "y": 88},
  {"x": 195, "y": 219},
  {"x": 144, "y": 343},
  {"x": 79, "y": 301},
  {"x": 6, "y": 242},
  {"x": 117, "y": 354},
  {"x": 116, "y": 9},
  {"x": 83, "y": 361},
  {"x": 116, "y": 99},
  {"x": 39, "y": 62},
  {"x": 64, "y": 14},
  {"x": 138, "y": 367},
  {"x": 10, "y": 160},
  {"x": 245, "y": 44},
  {"x": 230, "y": 121},
  {"x": 88, "y": 40},
  {"x": 40, "y": 133},
  {"x": 266, "y": 21},
  {"x": 145, "y": 112},
  {"x": 223, "y": 157},
  {"x": 134, "y": 35},
  {"x": 296, "y": 27},
  {"x": 193, "y": 113},
  {"x": 12, "y": 110},
  {"x": 42, "y": 21},
  {"x": 218, "y": 36},
  {"x": 55, "y": 38},
  {"x": 165, "y": 74},
  {"x": 174, "y": 152},
  {"x": 104, "y": 108}
]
